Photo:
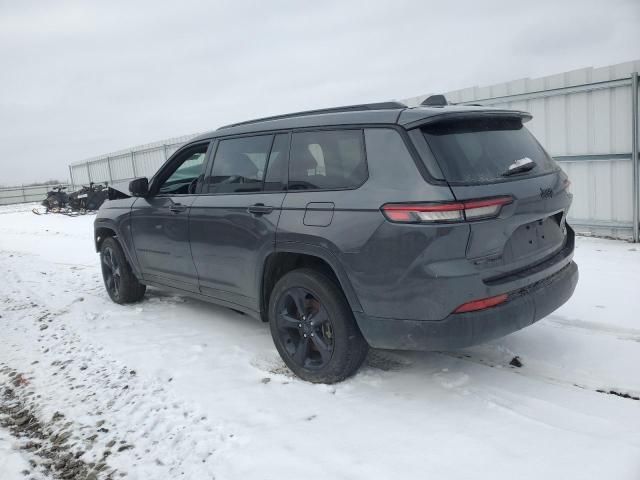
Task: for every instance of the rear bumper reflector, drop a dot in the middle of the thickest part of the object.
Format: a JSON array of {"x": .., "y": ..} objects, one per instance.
[{"x": 482, "y": 304}]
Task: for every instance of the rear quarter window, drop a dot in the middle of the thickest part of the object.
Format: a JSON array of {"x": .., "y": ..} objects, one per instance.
[
  {"x": 481, "y": 150},
  {"x": 327, "y": 160}
]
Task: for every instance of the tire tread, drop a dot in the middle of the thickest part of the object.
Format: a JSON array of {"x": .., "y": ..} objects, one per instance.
[
  {"x": 131, "y": 290},
  {"x": 350, "y": 358}
]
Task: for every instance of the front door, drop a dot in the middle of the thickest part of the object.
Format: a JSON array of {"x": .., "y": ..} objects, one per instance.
[
  {"x": 233, "y": 226},
  {"x": 160, "y": 221}
]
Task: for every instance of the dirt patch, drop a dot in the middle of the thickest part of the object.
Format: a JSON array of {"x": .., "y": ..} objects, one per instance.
[
  {"x": 50, "y": 448},
  {"x": 516, "y": 362},
  {"x": 619, "y": 394},
  {"x": 386, "y": 360}
]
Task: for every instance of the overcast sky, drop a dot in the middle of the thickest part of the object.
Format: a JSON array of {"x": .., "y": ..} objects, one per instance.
[{"x": 78, "y": 79}]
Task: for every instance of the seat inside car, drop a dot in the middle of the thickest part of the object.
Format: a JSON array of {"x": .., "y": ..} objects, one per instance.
[
  {"x": 234, "y": 168},
  {"x": 302, "y": 161}
]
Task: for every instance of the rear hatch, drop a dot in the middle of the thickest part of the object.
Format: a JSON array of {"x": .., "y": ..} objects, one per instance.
[{"x": 486, "y": 156}]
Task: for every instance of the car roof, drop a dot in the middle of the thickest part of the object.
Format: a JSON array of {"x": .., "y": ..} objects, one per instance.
[{"x": 390, "y": 113}]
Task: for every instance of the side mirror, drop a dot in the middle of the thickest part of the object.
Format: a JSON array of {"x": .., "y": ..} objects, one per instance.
[{"x": 139, "y": 187}]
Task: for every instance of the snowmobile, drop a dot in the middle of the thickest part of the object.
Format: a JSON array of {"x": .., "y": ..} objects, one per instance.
[
  {"x": 88, "y": 198},
  {"x": 56, "y": 200}
]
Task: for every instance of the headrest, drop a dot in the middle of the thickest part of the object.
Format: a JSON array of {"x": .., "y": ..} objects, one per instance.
[
  {"x": 303, "y": 159},
  {"x": 237, "y": 164}
]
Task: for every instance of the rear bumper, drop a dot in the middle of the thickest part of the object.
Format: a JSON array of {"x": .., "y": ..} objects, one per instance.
[{"x": 525, "y": 306}]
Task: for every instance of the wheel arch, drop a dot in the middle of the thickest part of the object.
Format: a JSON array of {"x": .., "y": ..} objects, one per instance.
[
  {"x": 107, "y": 229},
  {"x": 100, "y": 234},
  {"x": 298, "y": 255}
]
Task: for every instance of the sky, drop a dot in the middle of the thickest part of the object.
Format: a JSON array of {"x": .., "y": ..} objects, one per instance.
[{"x": 83, "y": 78}]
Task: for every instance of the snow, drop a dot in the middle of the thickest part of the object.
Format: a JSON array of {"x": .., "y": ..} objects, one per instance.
[
  {"x": 12, "y": 462},
  {"x": 196, "y": 391}
]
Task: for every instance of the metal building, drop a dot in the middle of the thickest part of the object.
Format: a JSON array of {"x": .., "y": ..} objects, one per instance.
[
  {"x": 587, "y": 119},
  {"x": 138, "y": 161}
]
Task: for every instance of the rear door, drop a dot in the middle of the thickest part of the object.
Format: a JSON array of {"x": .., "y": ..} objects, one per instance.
[
  {"x": 325, "y": 170},
  {"x": 233, "y": 224},
  {"x": 485, "y": 157}
]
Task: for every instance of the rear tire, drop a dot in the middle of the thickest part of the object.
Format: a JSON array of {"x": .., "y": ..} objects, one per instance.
[
  {"x": 313, "y": 327},
  {"x": 120, "y": 282}
]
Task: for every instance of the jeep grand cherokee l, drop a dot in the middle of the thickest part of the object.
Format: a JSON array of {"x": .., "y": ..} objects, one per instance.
[{"x": 426, "y": 228}]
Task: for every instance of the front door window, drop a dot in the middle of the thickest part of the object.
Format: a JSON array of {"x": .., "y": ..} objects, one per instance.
[{"x": 187, "y": 171}]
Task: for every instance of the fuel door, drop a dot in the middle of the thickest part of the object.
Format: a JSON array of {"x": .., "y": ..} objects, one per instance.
[{"x": 318, "y": 214}]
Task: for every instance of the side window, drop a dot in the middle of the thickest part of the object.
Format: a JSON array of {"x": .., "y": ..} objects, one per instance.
[
  {"x": 276, "y": 177},
  {"x": 187, "y": 172},
  {"x": 327, "y": 160},
  {"x": 239, "y": 164},
  {"x": 389, "y": 158}
]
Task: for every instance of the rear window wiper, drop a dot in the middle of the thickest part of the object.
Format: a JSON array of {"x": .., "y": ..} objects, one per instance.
[{"x": 520, "y": 166}]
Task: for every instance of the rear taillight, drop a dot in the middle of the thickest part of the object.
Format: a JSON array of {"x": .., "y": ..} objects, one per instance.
[
  {"x": 445, "y": 212},
  {"x": 482, "y": 304}
]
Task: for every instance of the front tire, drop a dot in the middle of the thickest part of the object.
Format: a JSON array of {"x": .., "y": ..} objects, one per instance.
[
  {"x": 120, "y": 282},
  {"x": 313, "y": 328}
]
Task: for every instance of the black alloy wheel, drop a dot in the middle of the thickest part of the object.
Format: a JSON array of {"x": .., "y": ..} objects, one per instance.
[
  {"x": 111, "y": 272},
  {"x": 305, "y": 328},
  {"x": 119, "y": 280},
  {"x": 313, "y": 327}
]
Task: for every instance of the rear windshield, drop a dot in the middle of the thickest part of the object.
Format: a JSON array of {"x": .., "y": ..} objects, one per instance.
[{"x": 482, "y": 150}]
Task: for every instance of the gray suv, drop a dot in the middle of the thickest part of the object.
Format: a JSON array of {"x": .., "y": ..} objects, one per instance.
[{"x": 426, "y": 228}]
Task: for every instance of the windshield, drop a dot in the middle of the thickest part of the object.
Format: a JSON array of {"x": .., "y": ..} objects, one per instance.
[{"x": 486, "y": 150}]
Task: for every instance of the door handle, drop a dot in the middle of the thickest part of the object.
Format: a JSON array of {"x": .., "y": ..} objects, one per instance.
[
  {"x": 177, "y": 208},
  {"x": 260, "y": 209}
]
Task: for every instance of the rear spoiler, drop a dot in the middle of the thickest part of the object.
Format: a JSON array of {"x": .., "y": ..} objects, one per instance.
[{"x": 411, "y": 118}]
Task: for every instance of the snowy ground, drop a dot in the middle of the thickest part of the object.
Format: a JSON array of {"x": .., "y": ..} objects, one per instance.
[{"x": 175, "y": 388}]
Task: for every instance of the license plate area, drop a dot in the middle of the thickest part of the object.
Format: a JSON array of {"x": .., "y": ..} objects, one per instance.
[{"x": 542, "y": 234}]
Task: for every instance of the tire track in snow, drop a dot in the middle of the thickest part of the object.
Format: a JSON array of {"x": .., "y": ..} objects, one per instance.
[
  {"x": 525, "y": 371},
  {"x": 594, "y": 327}
]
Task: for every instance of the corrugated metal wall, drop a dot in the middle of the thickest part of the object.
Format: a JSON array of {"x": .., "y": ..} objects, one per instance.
[
  {"x": 32, "y": 193},
  {"x": 140, "y": 161},
  {"x": 584, "y": 119}
]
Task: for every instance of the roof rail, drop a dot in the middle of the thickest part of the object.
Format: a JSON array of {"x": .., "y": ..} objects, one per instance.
[{"x": 348, "y": 108}]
